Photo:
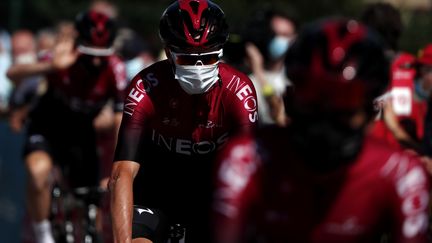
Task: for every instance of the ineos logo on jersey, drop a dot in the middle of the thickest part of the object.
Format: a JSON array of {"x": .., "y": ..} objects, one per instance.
[
  {"x": 188, "y": 147},
  {"x": 137, "y": 93},
  {"x": 244, "y": 93},
  {"x": 151, "y": 80}
]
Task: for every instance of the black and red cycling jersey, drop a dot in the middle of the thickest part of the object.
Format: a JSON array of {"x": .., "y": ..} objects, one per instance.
[
  {"x": 265, "y": 192},
  {"x": 157, "y": 110},
  {"x": 174, "y": 136}
]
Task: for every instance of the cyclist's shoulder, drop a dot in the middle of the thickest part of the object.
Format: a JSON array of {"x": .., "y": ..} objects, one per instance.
[
  {"x": 231, "y": 76},
  {"x": 389, "y": 163}
]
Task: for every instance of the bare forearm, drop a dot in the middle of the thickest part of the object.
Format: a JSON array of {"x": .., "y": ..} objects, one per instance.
[
  {"x": 20, "y": 71},
  {"x": 121, "y": 208},
  {"x": 117, "y": 122}
]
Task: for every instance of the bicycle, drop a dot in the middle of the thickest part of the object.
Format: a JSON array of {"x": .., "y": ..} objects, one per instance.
[
  {"x": 177, "y": 233},
  {"x": 74, "y": 214}
]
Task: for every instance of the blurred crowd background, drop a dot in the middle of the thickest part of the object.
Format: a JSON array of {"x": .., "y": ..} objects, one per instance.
[{"x": 143, "y": 15}]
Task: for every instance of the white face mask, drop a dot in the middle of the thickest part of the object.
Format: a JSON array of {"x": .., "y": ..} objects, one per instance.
[{"x": 198, "y": 78}]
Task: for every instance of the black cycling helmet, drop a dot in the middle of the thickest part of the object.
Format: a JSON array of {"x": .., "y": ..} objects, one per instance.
[
  {"x": 95, "y": 29},
  {"x": 193, "y": 26},
  {"x": 337, "y": 65}
]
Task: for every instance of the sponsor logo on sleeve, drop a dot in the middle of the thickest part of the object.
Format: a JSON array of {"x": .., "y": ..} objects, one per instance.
[{"x": 244, "y": 93}]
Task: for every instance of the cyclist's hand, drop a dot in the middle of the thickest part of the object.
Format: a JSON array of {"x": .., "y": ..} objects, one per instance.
[
  {"x": 103, "y": 183},
  {"x": 64, "y": 54},
  {"x": 17, "y": 118}
]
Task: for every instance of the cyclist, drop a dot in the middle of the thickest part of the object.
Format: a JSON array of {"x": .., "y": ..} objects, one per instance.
[
  {"x": 81, "y": 80},
  {"x": 323, "y": 179},
  {"x": 178, "y": 113}
]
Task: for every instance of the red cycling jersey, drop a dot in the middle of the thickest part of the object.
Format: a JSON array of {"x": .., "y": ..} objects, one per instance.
[
  {"x": 86, "y": 88},
  {"x": 264, "y": 191},
  {"x": 157, "y": 110}
]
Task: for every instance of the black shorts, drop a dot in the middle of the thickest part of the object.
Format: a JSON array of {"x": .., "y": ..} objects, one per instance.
[
  {"x": 150, "y": 223},
  {"x": 78, "y": 160},
  {"x": 180, "y": 188},
  {"x": 157, "y": 225}
]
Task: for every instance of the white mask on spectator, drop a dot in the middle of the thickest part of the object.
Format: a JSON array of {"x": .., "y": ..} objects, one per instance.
[{"x": 25, "y": 58}]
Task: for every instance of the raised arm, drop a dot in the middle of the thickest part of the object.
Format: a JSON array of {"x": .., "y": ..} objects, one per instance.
[{"x": 64, "y": 55}]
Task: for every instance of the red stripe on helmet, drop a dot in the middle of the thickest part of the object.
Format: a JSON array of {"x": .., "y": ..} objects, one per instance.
[
  {"x": 99, "y": 33},
  {"x": 196, "y": 17}
]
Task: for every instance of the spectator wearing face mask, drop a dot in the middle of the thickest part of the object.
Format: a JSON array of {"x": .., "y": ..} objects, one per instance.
[
  {"x": 24, "y": 52},
  {"x": 268, "y": 37},
  {"x": 135, "y": 50}
]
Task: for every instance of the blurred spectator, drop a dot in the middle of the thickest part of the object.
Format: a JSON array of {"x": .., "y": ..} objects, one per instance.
[
  {"x": 268, "y": 37},
  {"x": 11, "y": 166},
  {"x": 65, "y": 30},
  {"x": 24, "y": 51},
  {"x": 5, "y": 61},
  {"x": 136, "y": 52},
  {"x": 45, "y": 41},
  {"x": 400, "y": 121},
  {"x": 386, "y": 20}
]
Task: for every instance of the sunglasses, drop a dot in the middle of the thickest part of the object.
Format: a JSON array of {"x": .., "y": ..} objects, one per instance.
[{"x": 194, "y": 59}]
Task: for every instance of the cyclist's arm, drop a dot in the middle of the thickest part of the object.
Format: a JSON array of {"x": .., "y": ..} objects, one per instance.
[
  {"x": 121, "y": 199},
  {"x": 409, "y": 200},
  {"x": 64, "y": 56},
  {"x": 18, "y": 72},
  {"x": 125, "y": 168},
  {"x": 236, "y": 191},
  {"x": 117, "y": 122}
]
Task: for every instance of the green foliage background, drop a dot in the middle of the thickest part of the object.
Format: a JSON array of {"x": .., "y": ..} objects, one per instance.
[{"x": 143, "y": 15}]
